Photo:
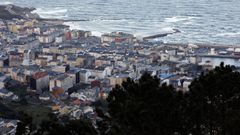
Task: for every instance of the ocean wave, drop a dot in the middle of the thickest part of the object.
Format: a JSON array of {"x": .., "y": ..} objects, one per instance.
[
  {"x": 51, "y": 13},
  {"x": 168, "y": 29},
  {"x": 229, "y": 34},
  {"x": 73, "y": 25},
  {"x": 108, "y": 20},
  {"x": 178, "y": 19},
  {"x": 188, "y": 23},
  {"x": 5, "y": 3},
  {"x": 97, "y": 33}
]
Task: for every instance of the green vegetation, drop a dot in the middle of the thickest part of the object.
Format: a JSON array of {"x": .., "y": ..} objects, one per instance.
[
  {"x": 5, "y": 112},
  {"x": 211, "y": 107},
  {"x": 215, "y": 103},
  {"x": 146, "y": 108},
  {"x": 38, "y": 113},
  {"x": 71, "y": 127},
  {"x": 20, "y": 91},
  {"x": 56, "y": 127}
]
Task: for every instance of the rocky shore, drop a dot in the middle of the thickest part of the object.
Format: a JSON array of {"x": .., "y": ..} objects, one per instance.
[{"x": 9, "y": 12}]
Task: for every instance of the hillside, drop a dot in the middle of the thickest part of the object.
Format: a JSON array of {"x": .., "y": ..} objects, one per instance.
[{"x": 8, "y": 12}]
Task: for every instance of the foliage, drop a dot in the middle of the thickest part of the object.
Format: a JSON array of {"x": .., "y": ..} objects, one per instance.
[
  {"x": 212, "y": 106},
  {"x": 147, "y": 107},
  {"x": 214, "y": 102},
  {"x": 55, "y": 127},
  {"x": 24, "y": 126}
]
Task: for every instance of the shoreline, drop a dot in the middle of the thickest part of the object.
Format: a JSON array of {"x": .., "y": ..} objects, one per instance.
[
  {"x": 207, "y": 45},
  {"x": 24, "y": 12}
]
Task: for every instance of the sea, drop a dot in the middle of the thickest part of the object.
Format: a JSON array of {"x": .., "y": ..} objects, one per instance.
[{"x": 200, "y": 21}]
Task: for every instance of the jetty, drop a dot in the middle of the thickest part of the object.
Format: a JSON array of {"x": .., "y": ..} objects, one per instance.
[{"x": 161, "y": 35}]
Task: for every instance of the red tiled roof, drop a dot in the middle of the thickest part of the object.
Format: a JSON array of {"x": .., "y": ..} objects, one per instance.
[
  {"x": 39, "y": 75},
  {"x": 77, "y": 102},
  {"x": 57, "y": 91}
]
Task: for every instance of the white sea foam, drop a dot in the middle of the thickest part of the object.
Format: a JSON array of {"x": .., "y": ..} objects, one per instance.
[
  {"x": 229, "y": 34},
  {"x": 52, "y": 13},
  {"x": 77, "y": 26},
  {"x": 188, "y": 23},
  {"x": 96, "y": 33},
  {"x": 178, "y": 19},
  {"x": 167, "y": 29},
  {"x": 5, "y": 3},
  {"x": 197, "y": 24},
  {"x": 109, "y": 20},
  {"x": 73, "y": 25}
]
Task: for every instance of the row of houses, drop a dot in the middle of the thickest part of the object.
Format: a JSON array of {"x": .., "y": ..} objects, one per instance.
[{"x": 8, "y": 127}]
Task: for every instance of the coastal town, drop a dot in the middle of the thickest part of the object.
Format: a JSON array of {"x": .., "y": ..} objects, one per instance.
[{"x": 46, "y": 65}]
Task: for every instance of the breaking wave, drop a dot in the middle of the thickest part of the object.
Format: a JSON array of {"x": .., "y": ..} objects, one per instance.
[
  {"x": 52, "y": 13},
  {"x": 6, "y": 3}
]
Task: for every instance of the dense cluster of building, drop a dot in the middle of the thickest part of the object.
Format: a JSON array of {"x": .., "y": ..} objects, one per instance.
[
  {"x": 8, "y": 127},
  {"x": 59, "y": 64}
]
